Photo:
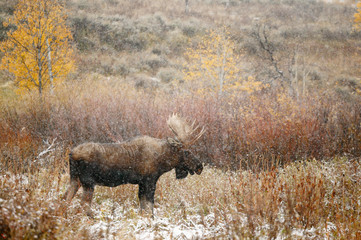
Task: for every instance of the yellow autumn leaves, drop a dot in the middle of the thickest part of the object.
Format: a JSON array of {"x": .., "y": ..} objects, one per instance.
[
  {"x": 214, "y": 66},
  {"x": 38, "y": 51},
  {"x": 357, "y": 17}
]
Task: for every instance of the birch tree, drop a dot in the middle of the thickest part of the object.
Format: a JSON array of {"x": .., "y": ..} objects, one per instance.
[
  {"x": 38, "y": 52},
  {"x": 214, "y": 66}
]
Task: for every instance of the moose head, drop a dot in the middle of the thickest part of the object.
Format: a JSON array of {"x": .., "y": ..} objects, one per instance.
[{"x": 184, "y": 138}]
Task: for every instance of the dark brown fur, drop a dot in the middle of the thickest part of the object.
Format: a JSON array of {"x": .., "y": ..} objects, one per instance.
[{"x": 141, "y": 161}]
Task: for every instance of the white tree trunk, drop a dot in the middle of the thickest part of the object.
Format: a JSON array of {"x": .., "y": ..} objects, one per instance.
[
  {"x": 51, "y": 78},
  {"x": 40, "y": 80},
  {"x": 222, "y": 73}
]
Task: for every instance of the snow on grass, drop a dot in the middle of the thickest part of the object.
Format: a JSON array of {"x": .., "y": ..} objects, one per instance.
[
  {"x": 215, "y": 204},
  {"x": 148, "y": 228},
  {"x": 110, "y": 222}
]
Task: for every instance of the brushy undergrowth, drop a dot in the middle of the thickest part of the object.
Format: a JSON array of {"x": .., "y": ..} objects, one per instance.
[
  {"x": 269, "y": 127},
  {"x": 305, "y": 200}
]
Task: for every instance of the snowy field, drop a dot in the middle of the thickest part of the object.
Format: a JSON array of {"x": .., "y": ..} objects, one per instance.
[{"x": 214, "y": 205}]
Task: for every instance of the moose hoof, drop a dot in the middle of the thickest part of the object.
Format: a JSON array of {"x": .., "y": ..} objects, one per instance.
[
  {"x": 90, "y": 214},
  {"x": 146, "y": 214}
]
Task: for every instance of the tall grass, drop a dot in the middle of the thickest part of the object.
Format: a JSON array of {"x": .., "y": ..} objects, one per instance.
[{"x": 305, "y": 200}]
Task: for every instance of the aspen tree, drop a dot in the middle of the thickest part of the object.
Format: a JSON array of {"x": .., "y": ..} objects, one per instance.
[
  {"x": 214, "y": 66},
  {"x": 38, "y": 52},
  {"x": 357, "y": 17}
]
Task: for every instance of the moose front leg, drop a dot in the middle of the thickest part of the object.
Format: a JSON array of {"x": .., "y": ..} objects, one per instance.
[{"x": 146, "y": 196}]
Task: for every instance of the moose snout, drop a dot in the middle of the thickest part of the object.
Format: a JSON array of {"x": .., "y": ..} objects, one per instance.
[{"x": 199, "y": 169}]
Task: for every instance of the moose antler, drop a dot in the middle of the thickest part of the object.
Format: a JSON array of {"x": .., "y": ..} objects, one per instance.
[{"x": 183, "y": 131}]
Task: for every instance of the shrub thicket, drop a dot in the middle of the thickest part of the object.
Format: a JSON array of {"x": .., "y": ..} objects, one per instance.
[{"x": 266, "y": 125}]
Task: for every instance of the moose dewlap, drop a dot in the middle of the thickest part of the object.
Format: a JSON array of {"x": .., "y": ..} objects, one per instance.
[{"x": 141, "y": 161}]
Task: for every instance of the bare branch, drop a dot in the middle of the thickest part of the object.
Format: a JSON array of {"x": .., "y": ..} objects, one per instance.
[
  {"x": 49, "y": 149},
  {"x": 266, "y": 45}
]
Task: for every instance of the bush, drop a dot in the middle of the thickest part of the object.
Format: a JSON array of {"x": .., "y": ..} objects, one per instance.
[
  {"x": 167, "y": 75},
  {"x": 177, "y": 42},
  {"x": 153, "y": 62}
]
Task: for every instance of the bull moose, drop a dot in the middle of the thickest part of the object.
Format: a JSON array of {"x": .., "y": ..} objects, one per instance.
[{"x": 141, "y": 161}]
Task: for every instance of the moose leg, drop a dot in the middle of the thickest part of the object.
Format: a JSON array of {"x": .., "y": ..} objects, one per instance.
[
  {"x": 74, "y": 179},
  {"x": 87, "y": 199},
  {"x": 72, "y": 189},
  {"x": 146, "y": 196}
]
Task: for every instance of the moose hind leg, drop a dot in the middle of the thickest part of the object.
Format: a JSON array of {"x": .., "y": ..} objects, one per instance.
[
  {"x": 87, "y": 199},
  {"x": 74, "y": 179},
  {"x": 146, "y": 196}
]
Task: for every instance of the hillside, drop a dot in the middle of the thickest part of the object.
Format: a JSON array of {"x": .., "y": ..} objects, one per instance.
[{"x": 312, "y": 42}]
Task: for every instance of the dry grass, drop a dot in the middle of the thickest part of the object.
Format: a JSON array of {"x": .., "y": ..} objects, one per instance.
[{"x": 305, "y": 200}]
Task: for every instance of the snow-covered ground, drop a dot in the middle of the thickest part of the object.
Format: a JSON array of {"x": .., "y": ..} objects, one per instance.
[{"x": 210, "y": 206}]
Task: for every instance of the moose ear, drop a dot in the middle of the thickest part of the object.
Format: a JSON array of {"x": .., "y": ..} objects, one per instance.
[
  {"x": 180, "y": 173},
  {"x": 174, "y": 143}
]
